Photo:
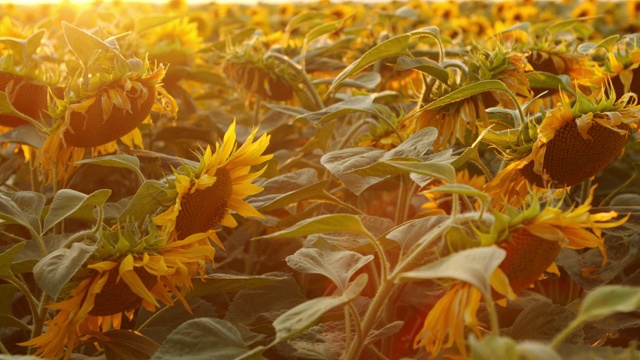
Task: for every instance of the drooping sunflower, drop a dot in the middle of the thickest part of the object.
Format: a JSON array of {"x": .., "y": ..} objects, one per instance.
[
  {"x": 460, "y": 120},
  {"x": 572, "y": 145},
  {"x": 101, "y": 105},
  {"x": 532, "y": 238},
  {"x": 130, "y": 268},
  {"x": 207, "y": 194}
]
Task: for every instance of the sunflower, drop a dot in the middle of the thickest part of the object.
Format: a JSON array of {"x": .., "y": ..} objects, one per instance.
[
  {"x": 128, "y": 270},
  {"x": 440, "y": 203},
  {"x": 259, "y": 74},
  {"x": 572, "y": 145},
  {"x": 100, "y": 108},
  {"x": 207, "y": 194},
  {"x": 622, "y": 65},
  {"x": 175, "y": 42},
  {"x": 532, "y": 238}
]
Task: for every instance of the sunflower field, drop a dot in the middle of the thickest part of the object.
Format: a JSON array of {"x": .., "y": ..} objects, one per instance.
[{"x": 322, "y": 180}]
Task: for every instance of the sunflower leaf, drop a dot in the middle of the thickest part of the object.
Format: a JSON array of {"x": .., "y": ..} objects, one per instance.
[
  {"x": 24, "y": 134},
  {"x": 394, "y": 46},
  {"x": 423, "y": 65},
  {"x": 361, "y": 103},
  {"x": 333, "y": 223},
  {"x": 336, "y": 264},
  {"x": 289, "y": 188},
  {"x": 55, "y": 270},
  {"x": 303, "y": 316},
  {"x": 150, "y": 195},
  {"x": 7, "y": 257},
  {"x": 82, "y": 43},
  {"x": 474, "y": 266},
  {"x": 24, "y": 208},
  {"x": 128, "y": 344},
  {"x": 608, "y": 300},
  {"x": 226, "y": 283},
  {"x": 66, "y": 202},
  {"x": 493, "y": 347},
  {"x": 202, "y": 339},
  {"x": 118, "y": 160},
  {"x": 466, "y": 92}
]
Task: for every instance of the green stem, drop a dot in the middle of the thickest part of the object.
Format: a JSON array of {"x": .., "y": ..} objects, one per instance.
[
  {"x": 573, "y": 326},
  {"x": 319, "y": 104},
  {"x": 351, "y": 133},
  {"x": 42, "y": 314},
  {"x": 493, "y": 314},
  {"x": 617, "y": 190},
  {"x": 153, "y": 317},
  {"x": 384, "y": 263},
  {"x": 33, "y": 303},
  {"x": 347, "y": 328},
  {"x": 3, "y": 349}
]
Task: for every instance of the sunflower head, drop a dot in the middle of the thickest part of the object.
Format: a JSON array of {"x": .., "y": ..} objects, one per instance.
[
  {"x": 622, "y": 65},
  {"x": 251, "y": 69},
  {"x": 534, "y": 235},
  {"x": 207, "y": 194},
  {"x": 174, "y": 42}
]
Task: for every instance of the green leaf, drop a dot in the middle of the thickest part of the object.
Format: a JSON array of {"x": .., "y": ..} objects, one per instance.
[
  {"x": 7, "y": 257},
  {"x": 55, "y": 270},
  {"x": 361, "y": 103},
  {"x": 343, "y": 163},
  {"x": 118, "y": 160},
  {"x": 24, "y": 134},
  {"x": 82, "y": 43},
  {"x": 394, "y": 46},
  {"x": 151, "y": 195},
  {"x": 303, "y": 316},
  {"x": 436, "y": 170},
  {"x": 386, "y": 331},
  {"x": 226, "y": 283},
  {"x": 493, "y": 347},
  {"x": 545, "y": 80},
  {"x": 474, "y": 266},
  {"x": 424, "y": 65},
  {"x": 533, "y": 350},
  {"x": 146, "y": 22},
  {"x": 289, "y": 188},
  {"x": 23, "y": 49},
  {"x": 202, "y": 339},
  {"x": 24, "y": 208},
  {"x": 127, "y": 344},
  {"x": 416, "y": 231},
  {"x": 466, "y": 92},
  {"x": 10, "y": 321},
  {"x": 461, "y": 189},
  {"x": 66, "y": 202},
  {"x": 336, "y": 264},
  {"x": 606, "y": 44},
  {"x": 542, "y": 321},
  {"x": 325, "y": 28},
  {"x": 333, "y": 223},
  {"x": 608, "y": 300},
  {"x": 303, "y": 17}
]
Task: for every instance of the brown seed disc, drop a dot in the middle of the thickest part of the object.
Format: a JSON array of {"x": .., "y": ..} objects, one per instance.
[
  {"x": 544, "y": 64},
  {"x": 571, "y": 159},
  {"x": 280, "y": 90},
  {"x": 204, "y": 209},
  {"x": 528, "y": 256},
  {"x": 28, "y": 97},
  {"x": 618, "y": 87},
  {"x": 116, "y": 297},
  {"x": 89, "y": 128}
]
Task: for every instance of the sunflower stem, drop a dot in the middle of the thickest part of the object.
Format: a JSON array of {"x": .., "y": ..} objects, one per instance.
[
  {"x": 617, "y": 190},
  {"x": 347, "y": 327},
  {"x": 33, "y": 303},
  {"x": 319, "y": 104},
  {"x": 351, "y": 133},
  {"x": 573, "y": 326},
  {"x": 3, "y": 349},
  {"x": 154, "y": 316},
  {"x": 493, "y": 313}
]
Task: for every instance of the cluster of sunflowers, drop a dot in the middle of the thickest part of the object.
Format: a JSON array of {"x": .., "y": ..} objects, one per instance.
[{"x": 320, "y": 181}]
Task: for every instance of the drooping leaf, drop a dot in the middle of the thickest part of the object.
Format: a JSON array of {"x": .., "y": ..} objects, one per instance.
[
  {"x": 361, "y": 103},
  {"x": 435, "y": 170},
  {"x": 466, "y": 92},
  {"x": 82, "y": 43},
  {"x": 336, "y": 264},
  {"x": 461, "y": 189},
  {"x": 24, "y": 208},
  {"x": 202, "y": 339},
  {"x": 24, "y": 134},
  {"x": 607, "y": 300},
  {"x": 386, "y": 331},
  {"x": 322, "y": 224},
  {"x": 127, "y": 344},
  {"x": 226, "y": 283},
  {"x": 56, "y": 269},
  {"x": 7, "y": 257},
  {"x": 474, "y": 266},
  {"x": 545, "y": 80},
  {"x": 416, "y": 231},
  {"x": 289, "y": 188},
  {"x": 66, "y": 202},
  {"x": 342, "y": 163},
  {"x": 424, "y": 65},
  {"x": 394, "y": 46},
  {"x": 301, "y": 317},
  {"x": 117, "y": 160},
  {"x": 151, "y": 195}
]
